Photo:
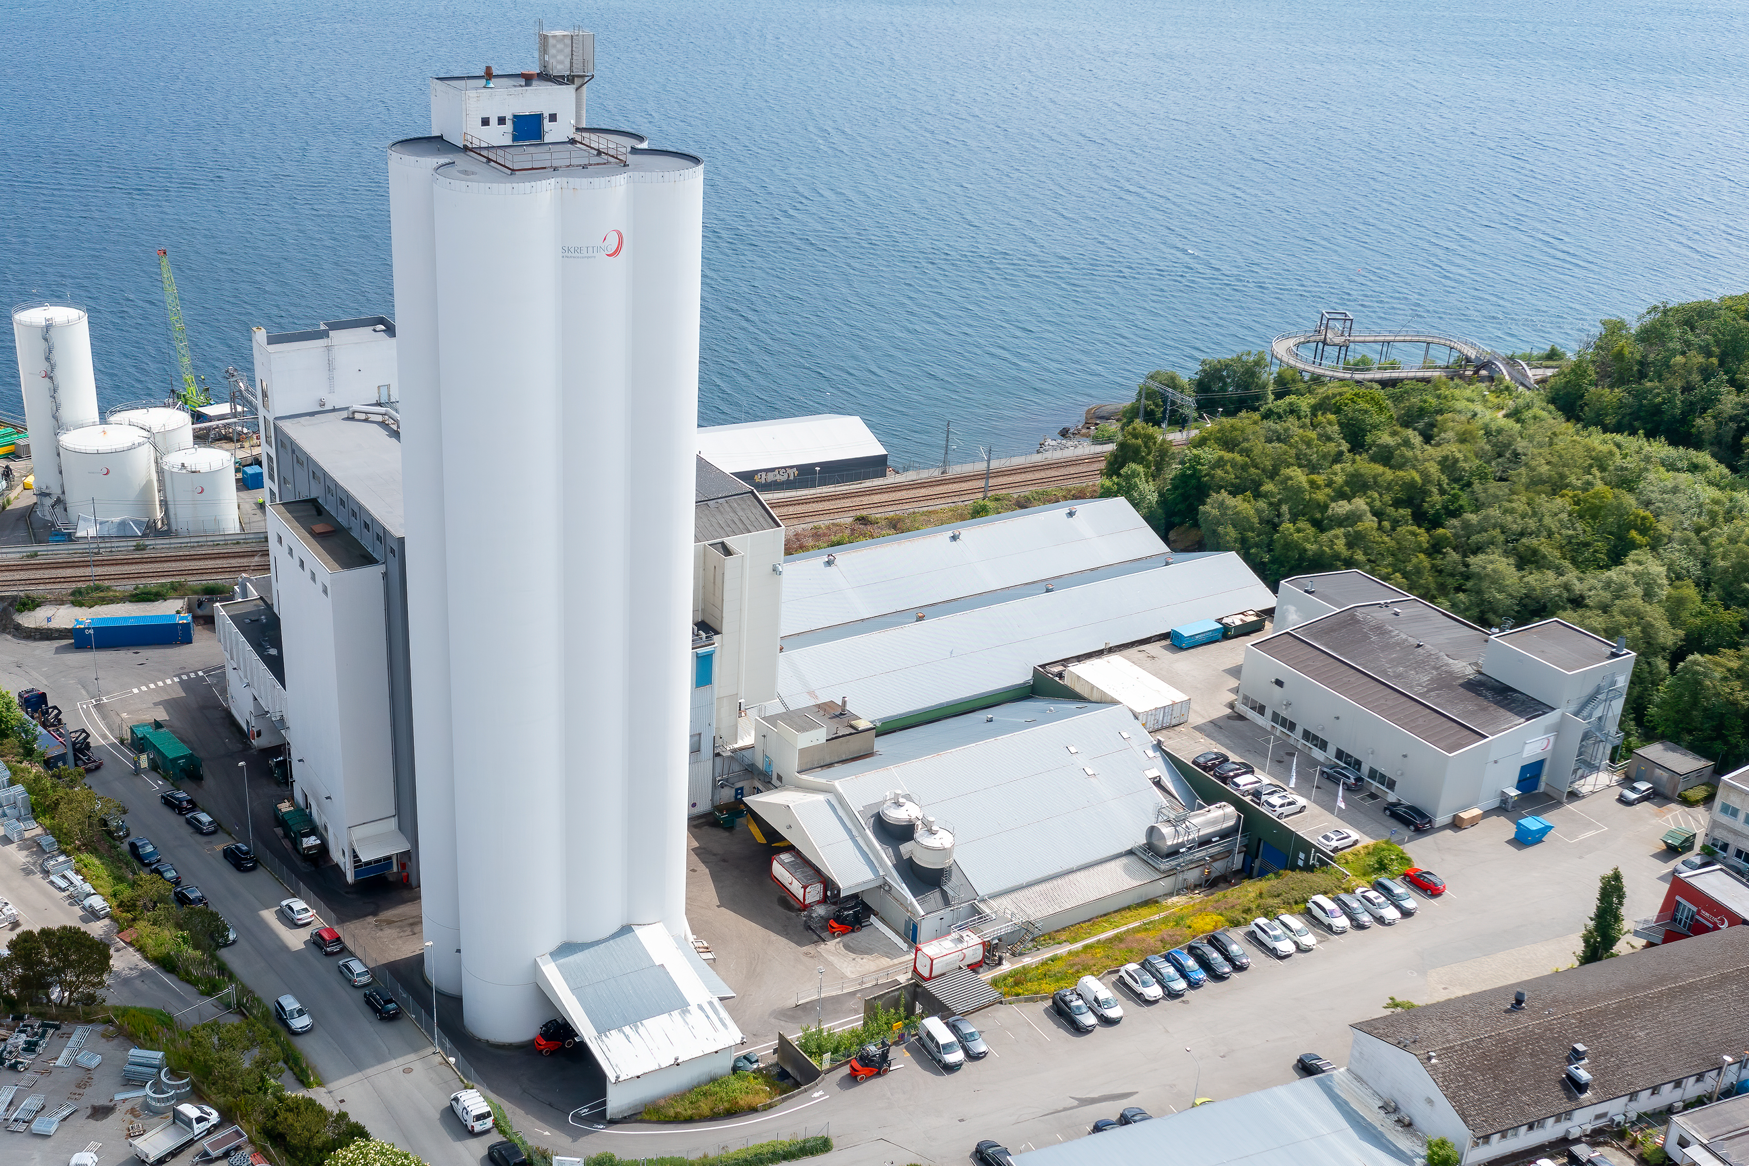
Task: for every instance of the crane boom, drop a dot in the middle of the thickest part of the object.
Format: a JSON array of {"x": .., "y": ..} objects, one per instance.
[{"x": 190, "y": 392}]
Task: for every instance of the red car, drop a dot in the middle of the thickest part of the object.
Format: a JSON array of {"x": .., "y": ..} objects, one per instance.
[{"x": 1425, "y": 881}]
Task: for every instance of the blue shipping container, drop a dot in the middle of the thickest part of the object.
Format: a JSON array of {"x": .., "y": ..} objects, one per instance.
[
  {"x": 1205, "y": 631},
  {"x": 252, "y": 478},
  {"x": 133, "y": 631}
]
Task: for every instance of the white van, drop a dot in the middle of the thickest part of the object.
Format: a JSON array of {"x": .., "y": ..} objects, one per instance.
[
  {"x": 941, "y": 1043},
  {"x": 471, "y": 1108},
  {"x": 1326, "y": 914},
  {"x": 1100, "y": 999}
]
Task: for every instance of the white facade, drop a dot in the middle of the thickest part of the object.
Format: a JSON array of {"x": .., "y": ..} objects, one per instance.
[
  {"x": 329, "y": 588},
  {"x": 253, "y": 693},
  {"x": 737, "y": 593},
  {"x": 1727, "y": 829},
  {"x": 344, "y": 362},
  {"x": 109, "y": 471},
  {"x": 501, "y": 111},
  {"x": 55, "y": 373},
  {"x": 535, "y": 308},
  {"x": 200, "y": 491}
]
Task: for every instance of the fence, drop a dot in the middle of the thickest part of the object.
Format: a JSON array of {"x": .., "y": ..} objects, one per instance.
[{"x": 413, "y": 1004}]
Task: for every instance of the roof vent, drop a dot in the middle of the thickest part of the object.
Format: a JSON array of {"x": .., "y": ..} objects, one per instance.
[
  {"x": 831, "y": 560},
  {"x": 1578, "y": 1054},
  {"x": 1071, "y": 512},
  {"x": 528, "y": 77},
  {"x": 1396, "y": 611},
  {"x": 954, "y": 537},
  {"x": 1621, "y": 646},
  {"x": 1311, "y": 586},
  {"x": 488, "y": 76},
  {"x": 1518, "y": 999},
  {"x": 1579, "y": 1079}
]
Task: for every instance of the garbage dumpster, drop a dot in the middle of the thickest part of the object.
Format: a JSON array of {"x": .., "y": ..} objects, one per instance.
[
  {"x": 1681, "y": 840},
  {"x": 1532, "y": 830}
]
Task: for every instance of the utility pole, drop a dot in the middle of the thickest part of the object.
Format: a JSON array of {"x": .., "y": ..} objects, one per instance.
[
  {"x": 989, "y": 451},
  {"x": 1195, "y": 1089},
  {"x": 945, "y": 445}
]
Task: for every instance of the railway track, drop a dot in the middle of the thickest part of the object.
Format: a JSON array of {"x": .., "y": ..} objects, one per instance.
[
  {"x": 831, "y": 503},
  {"x": 130, "y": 568}
]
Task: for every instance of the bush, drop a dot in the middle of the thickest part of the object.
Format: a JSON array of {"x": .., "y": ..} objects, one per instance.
[
  {"x": 1376, "y": 860},
  {"x": 27, "y": 603},
  {"x": 368, "y": 1152},
  {"x": 1440, "y": 1152},
  {"x": 736, "y": 1093},
  {"x": 825, "y": 1047},
  {"x": 758, "y": 1154},
  {"x": 307, "y": 1131},
  {"x": 1699, "y": 795}
]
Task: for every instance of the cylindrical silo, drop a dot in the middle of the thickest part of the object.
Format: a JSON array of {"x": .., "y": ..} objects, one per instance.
[
  {"x": 498, "y": 367},
  {"x": 200, "y": 491},
  {"x": 412, "y": 233},
  {"x": 110, "y": 471},
  {"x": 60, "y": 390},
  {"x": 171, "y": 429},
  {"x": 665, "y": 245}
]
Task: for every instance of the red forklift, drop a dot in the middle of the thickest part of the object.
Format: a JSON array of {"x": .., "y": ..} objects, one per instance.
[
  {"x": 871, "y": 1060},
  {"x": 554, "y": 1035}
]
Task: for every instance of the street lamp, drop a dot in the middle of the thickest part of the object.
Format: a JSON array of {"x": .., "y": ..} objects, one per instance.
[
  {"x": 432, "y": 972},
  {"x": 1197, "y": 1088},
  {"x": 248, "y": 819},
  {"x": 819, "y": 994}
]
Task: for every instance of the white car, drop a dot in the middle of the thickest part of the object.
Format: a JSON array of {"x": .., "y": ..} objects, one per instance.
[
  {"x": 1141, "y": 985},
  {"x": 1298, "y": 931},
  {"x": 1282, "y": 804},
  {"x": 1378, "y": 906},
  {"x": 470, "y": 1106},
  {"x": 1335, "y": 840},
  {"x": 1327, "y": 914},
  {"x": 1100, "y": 999},
  {"x": 1244, "y": 783},
  {"x": 1274, "y": 940},
  {"x": 296, "y": 912}
]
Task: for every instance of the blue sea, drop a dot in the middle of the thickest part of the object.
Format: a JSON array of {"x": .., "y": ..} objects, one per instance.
[{"x": 922, "y": 211}]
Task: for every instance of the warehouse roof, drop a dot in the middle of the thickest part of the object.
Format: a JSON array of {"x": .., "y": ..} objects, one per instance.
[
  {"x": 1500, "y": 1068},
  {"x": 907, "y": 572},
  {"x": 725, "y": 506},
  {"x": 816, "y": 825},
  {"x": 362, "y": 456},
  {"x": 788, "y": 441},
  {"x": 917, "y": 667},
  {"x": 258, "y": 624},
  {"x": 1557, "y": 642},
  {"x": 1721, "y": 1131},
  {"x": 636, "y": 1000},
  {"x": 1341, "y": 588},
  {"x": 320, "y": 533}
]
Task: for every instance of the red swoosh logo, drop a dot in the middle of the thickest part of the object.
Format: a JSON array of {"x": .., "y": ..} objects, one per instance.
[
  {"x": 619, "y": 242},
  {"x": 106, "y": 471},
  {"x": 200, "y": 489}
]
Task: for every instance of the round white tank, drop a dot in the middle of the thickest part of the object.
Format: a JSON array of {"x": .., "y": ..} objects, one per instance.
[
  {"x": 900, "y": 815},
  {"x": 932, "y": 852},
  {"x": 109, "y": 471},
  {"x": 171, "y": 429},
  {"x": 200, "y": 491},
  {"x": 60, "y": 388}
]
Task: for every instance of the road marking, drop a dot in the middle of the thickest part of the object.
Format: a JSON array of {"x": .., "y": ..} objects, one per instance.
[{"x": 1035, "y": 1027}]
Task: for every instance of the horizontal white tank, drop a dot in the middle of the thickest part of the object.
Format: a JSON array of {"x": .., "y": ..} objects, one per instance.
[
  {"x": 110, "y": 471},
  {"x": 171, "y": 429},
  {"x": 200, "y": 491},
  {"x": 60, "y": 388}
]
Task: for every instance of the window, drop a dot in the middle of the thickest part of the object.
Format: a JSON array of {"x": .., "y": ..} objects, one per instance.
[
  {"x": 696, "y": 743},
  {"x": 1378, "y": 776},
  {"x": 1742, "y": 855},
  {"x": 301, "y": 562},
  {"x": 1286, "y": 724},
  {"x": 501, "y": 121},
  {"x": 324, "y": 589},
  {"x": 485, "y": 121},
  {"x": 1254, "y": 705},
  {"x": 1728, "y": 810},
  {"x": 701, "y": 669},
  {"x": 1314, "y": 741},
  {"x": 1683, "y": 915},
  {"x": 552, "y": 118},
  {"x": 312, "y": 575},
  {"x": 1348, "y": 759},
  {"x": 279, "y": 538}
]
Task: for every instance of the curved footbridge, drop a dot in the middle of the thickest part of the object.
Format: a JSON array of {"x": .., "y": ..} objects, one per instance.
[{"x": 1334, "y": 337}]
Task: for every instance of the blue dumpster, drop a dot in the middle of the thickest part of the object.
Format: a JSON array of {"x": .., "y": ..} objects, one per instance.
[
  {"x": 1532, "y": 830},
  {"x": 252, "y": 478},
  {"x": 1193, "y": 635}
]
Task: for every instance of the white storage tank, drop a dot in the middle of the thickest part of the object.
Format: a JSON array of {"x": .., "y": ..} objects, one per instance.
[
  {"x": 932, "y": 852},
  {"x": 200, "y": 491},
  {"x": 171, "y": 429},
  {"x": 110, "y": 471},
  {"x": 60, "y": 389}
]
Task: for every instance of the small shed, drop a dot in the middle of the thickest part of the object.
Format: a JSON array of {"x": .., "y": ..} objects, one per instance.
[
  {"x": 1670, "y": 768},
  {"x": 1115, "y": 680}
]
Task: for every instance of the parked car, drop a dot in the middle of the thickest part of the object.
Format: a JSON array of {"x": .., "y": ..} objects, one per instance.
[
  {"x": 240, "y": 856},
  {"x": 296, "y": 913},
  {"x": 189, "y": 896},
  {"x": 292, "y": 1014},
  {"x": 230, "y": 935},
  {"x": 1100, "y": 999},
  {"x": 1413, "y": 817},
  {"x": 1633, "y": 795},
  {"x": 1141, "y": 985},
  {"x": 1275, "y": 941},
  {"x": 1350, "y": 778},
  {"x": 1229, "y": 946},
  {"x": 143, "y": 851},
  {"x": 1283, "y": 804},
  {"x": 1297, "y": 931},
  {"x": 1187, "y": 967},
  {"x": 1227, "y": 770},
  {"x": 1311, "y": 1064},
  {"x": 1131, "y": 1114},
  {"x": 1103, "y": 1124},
  {"x": 1359, "y": 917},
  {"x": 382, "y": 1004},
  {"x": 1244, "y": 783},
  {"x": 1208, "y": 761},
  {"x": 1338, "y": 840},
  {"x": 1425, "y": 881},
  {"x": 1323, "y": 911},
  {"x": 1210, "y": 960},
  {"x": 327, "y": 940},
  {"x": 1264, "y": 789},
  {"x": 506, "y": 1154},
  {"x": 1397, "y": 895},
  {"x": 1379, "y": 907},
  {"x": 202, "y": 822},
  {"x": 1170, "y": 979},
  {"x": 1696, "y": 862},
  {"x": 470, "y": 1108},
  {"x": 178, "y": 800},
  {"x": 971, "y": 1040},
  {"x": 1067, "y": 1003},
  {"x": 988, "y": 1153},
  {"x": 115, "y": 825},
  {"x": 165, "y": 871},
  {"x": 353, "y": 971}
]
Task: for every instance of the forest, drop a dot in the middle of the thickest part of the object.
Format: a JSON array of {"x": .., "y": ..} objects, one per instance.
[{"x": 1616, "y": 499}]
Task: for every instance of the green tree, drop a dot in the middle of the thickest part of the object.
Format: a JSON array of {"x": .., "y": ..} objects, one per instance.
[
  {"x": 1150, "y": 405},
  {"x": 1136, "y": 485},
  {"x": 65, "y": 965},
  {"x": 15, "y": 726},
  {"x": 308, "y": 1132},
  {"x": 1704, "y": 707},
  {"x": 1234, "y": 382},
  {"x": 1440, "y": 1152},
  {"x": 1361, "y": 415},
  {"x": 1142, "y": 445},
  {"x": 1607, "y": 925},
  {"x": 206, "y": 927},
  {"x": 1187, "y": 489},
  {"x": 373, "y": 1153}
]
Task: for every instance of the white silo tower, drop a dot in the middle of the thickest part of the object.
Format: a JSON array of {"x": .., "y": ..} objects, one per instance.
[
  {"x": 558, "y": 271},
  {"x": 200, "y": 491},
  {"x": 60, "y": 390}
]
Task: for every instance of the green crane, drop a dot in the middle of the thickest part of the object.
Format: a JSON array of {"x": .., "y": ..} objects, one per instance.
[{"x": 190, "y": 391}]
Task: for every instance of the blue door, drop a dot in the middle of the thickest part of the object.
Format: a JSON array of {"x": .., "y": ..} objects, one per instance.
[
  {"x": 1530, "y": 777},
  {"x": 526, "y": 127}
]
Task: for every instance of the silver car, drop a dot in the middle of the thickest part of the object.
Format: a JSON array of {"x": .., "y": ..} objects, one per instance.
[
  {"x": 296, "y": 912},
  {"x": 1282, "y": 804},
  {"x": 1398, "y": 894},
  {"x": 1378, "y": 906},
  {"x": 1335, "y": 840},
  {"x": 1359, "y": 917},
  {"x": 292, "y": 1014},
  {"x": 353, "y": 971}
]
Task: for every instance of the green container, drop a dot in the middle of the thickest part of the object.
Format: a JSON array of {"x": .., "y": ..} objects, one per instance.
[
  {"x": 164, "y": 752},
  {"x": 1680, "y": 840}
]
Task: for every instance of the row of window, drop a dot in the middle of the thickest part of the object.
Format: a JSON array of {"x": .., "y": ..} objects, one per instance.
[
  {"x": 552, "y": 119},
  {"x": 1315, "y": 741},
  {"x": 1676, "y": 1086},
  {"x": 1283, "y": 722},
  {"x": 1372, "y": 772},
  {"x": 1253, "y": 704}
]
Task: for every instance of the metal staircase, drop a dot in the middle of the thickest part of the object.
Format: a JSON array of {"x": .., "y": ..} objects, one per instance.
[{"x": 1600, "y": 711}]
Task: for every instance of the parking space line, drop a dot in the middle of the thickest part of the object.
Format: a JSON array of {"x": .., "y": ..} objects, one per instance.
[{"x": 1035, "y": 1027}]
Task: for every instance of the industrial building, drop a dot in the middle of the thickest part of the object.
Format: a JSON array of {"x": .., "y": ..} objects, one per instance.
[
  {"x": 1709, "y": 898},
  {"x": 789, "y": 453},
  {"x": 1429, "y": 708},
  {"x": 1727, "y": 830},
  {"x": 1713, "y": 1135}
]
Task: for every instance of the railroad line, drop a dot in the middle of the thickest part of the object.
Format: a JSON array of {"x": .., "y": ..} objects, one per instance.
[
  {"x": 127, "y": 569},
  {"x": 831, "y": 503}
]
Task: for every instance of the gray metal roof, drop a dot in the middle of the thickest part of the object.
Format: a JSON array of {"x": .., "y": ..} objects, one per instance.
[
  {"x": 1043, "y": 899},
  {"x": 1557, "y": 642},
  {"x": 921, "y": 665},
  {"x": 788, "y": 441},
  {"x": 725, "y": 506},
  {"x": 1341, "y": 588},
  {"x": 362, "y": 456},
  {"x": 258, "y": 624},
  {"x": 1316, "y": 1121},
  {"x": 820, "y": 829},
  {"x": 1020, "y": 804},
  {"x": 1671, "y": 756},
  {"x": 905, "y": 572}
]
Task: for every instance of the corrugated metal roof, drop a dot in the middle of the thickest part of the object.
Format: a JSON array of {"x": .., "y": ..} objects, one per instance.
[
  {"x": 1046, "y": 898},
  {"x": 1316, "y": 1121},
  {"x": 902, "y": 573},
  {"x": 820, "y": 830},
  {"x": 724, "y": 506},
  {"x": 760, "y": 445},
  {"x": 1021, "y": 805},
  {"x": 935, "y": 662},
  {"x": 636, "y": 1000},
  {"x": 1126, "y": 682}
]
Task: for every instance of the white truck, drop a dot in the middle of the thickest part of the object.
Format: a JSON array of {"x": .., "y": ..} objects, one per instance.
[{"x": 187, "y": 1123}]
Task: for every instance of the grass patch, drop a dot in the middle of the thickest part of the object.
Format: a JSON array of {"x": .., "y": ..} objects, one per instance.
[
  {"x": 758, "y": 1154},
  {"x": 863, "y": 527},
  {"x": 99, "y": 594},
  {"x": 1699, "y": 795},
  {"x": 1376, "y": 860},
  {"x": 27, "y": 603},
  {"x": 539, "y": 1155},
  {"x": 736, "y": 1093}
]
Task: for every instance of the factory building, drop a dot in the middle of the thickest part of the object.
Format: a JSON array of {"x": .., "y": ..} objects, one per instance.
[
  {"x": 340, "y": 363},
  {"x": 790, "y": 453},
  {"x": 1429, "y": 708}
]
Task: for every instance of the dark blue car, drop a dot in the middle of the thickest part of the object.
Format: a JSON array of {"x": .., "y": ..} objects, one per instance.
[{"x": 1187, "y": 967}]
